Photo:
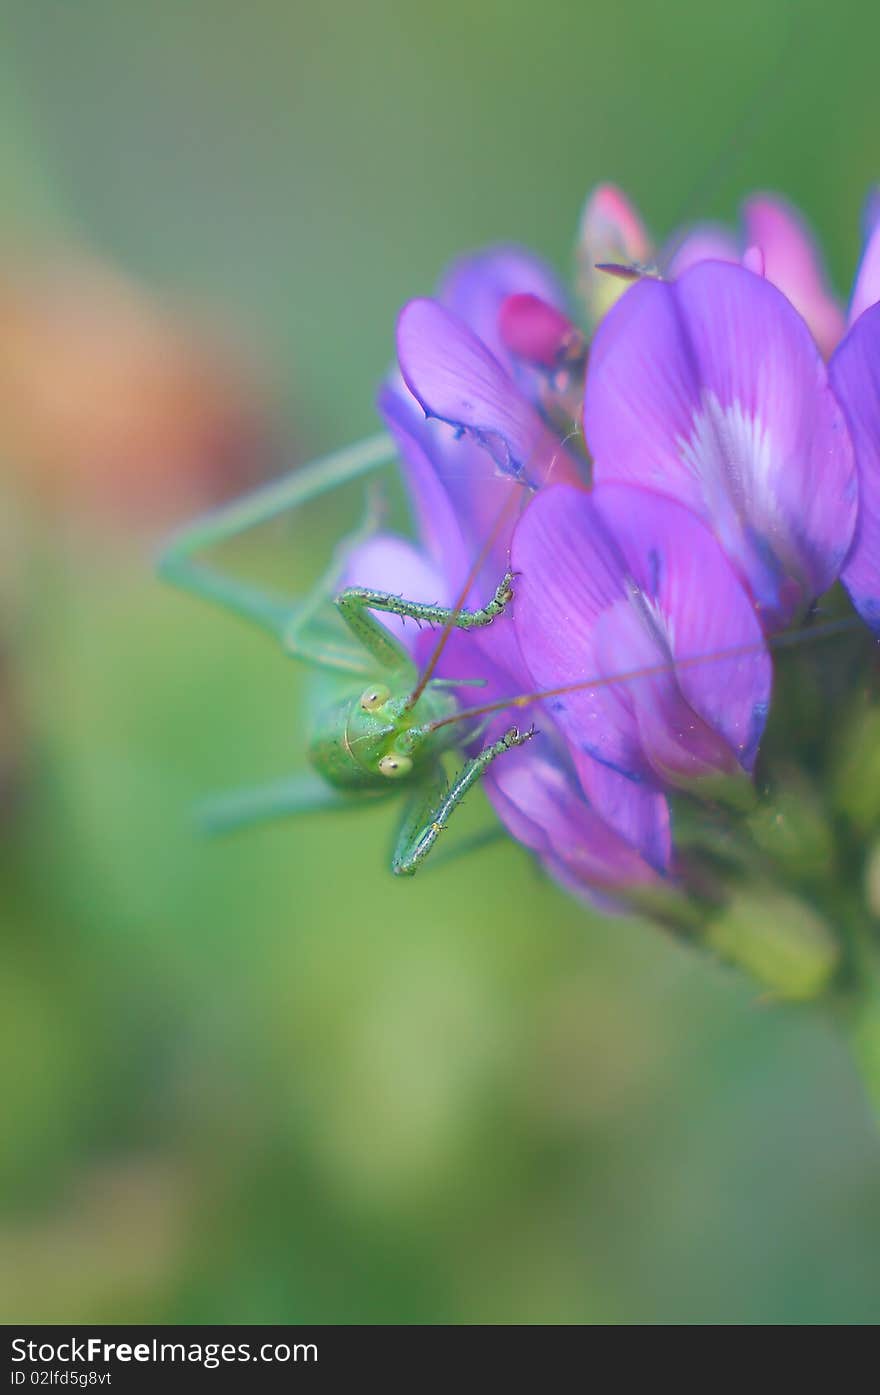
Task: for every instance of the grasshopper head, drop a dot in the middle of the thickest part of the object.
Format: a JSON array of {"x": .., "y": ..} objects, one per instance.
[{"x": 376, "y": 738}]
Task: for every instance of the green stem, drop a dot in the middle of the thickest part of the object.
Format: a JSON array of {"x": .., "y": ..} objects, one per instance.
[
  {"x": 861, "y": 1009},
  {"x": 864, "y": 1036}
]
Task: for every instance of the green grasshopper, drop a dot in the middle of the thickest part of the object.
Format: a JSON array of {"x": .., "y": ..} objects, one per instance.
[{"x": 392, "y": 731}]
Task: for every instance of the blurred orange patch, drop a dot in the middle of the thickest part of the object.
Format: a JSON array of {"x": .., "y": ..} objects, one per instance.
[{"x": 112, "y": 405}]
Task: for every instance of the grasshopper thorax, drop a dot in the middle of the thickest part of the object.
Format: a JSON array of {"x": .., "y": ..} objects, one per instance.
[{"x": 376, "y": 737}]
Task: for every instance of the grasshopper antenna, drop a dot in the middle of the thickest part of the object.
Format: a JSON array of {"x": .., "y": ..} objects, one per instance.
[
  {"x": 515, "y": 496},
  {"x": 829, "y": 629},
  {"x": 767, "y": 93}
]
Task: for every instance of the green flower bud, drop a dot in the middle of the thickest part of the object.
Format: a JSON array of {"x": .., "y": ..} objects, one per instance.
[
  {"x": 856, "y": 778},
  {"x": 791, "y": 828},
  {"x": 778, "y": 939}
]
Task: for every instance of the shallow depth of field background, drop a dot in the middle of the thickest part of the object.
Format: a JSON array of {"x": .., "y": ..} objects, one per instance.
[{"x": 261, "y": 1081}]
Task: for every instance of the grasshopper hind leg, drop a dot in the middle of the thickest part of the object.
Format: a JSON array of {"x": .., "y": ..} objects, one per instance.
[
  {"x": 178, "y": 563},
  {"x": 302, "y": 793}
]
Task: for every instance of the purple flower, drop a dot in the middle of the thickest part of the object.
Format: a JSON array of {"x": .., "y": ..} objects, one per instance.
[
  {"x": 458, "y": 380},
  {"x": 778, "y": 243},
  {"x": 475, "y": 287},
  {"x": 473, "y": 427},
  {"x": 724, "y": 502},
  {"x": 775, "y": 241},
  {"x": 621, "y": 583},
  {"x": 866, "y": 288},
  {"x": 855, "y": 376},
  {"x": 473, "y": 430},
  {"x": 711, "y": 389}
]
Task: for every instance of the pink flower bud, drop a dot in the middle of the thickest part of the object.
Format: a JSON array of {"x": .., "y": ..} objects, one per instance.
[{"x": 533, "y": 330}]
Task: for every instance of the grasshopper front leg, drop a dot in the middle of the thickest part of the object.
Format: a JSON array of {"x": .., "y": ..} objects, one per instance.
[
  {"x": 430, "y": 809},
  {"x": 355, "y": 603}
]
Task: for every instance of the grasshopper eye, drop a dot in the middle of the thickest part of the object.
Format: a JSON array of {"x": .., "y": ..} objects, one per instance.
[
  {"x": 394, "y": 766},
  {"x": 375, "y": 697}
]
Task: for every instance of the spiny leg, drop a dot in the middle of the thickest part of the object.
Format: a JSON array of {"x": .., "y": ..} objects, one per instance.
[
  {"x": 463, "y": 847},
  {"x": 430, "y": 809},
  {"x": 355, "y": 603},
  {"x": 302, "y": 793},
  {"x": 271, "y": 612}
]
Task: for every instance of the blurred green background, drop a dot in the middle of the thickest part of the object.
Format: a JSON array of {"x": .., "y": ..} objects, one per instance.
[{"x": 261, "y": 1081}]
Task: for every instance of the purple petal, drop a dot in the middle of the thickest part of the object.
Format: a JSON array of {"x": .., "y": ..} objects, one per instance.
[
  {"x": 458, "y": 380},
  {"x": 680, "y": 569},
  {"x": 475, "y": 287},
  {"x": 437, "y": 525},
  {"x": 866, "y": 291},
  {"x": 778, "y": 245},
  {"x": 636, "y": 810},
  {"x": 753, "y": 260},
  {"x": 464, "y": 511},
  {"x": 623, "y": 582},
  {"x": 681, "y": 749},
  {"x": 792, "y": 261},
  {"x": 491, "y": 655},
  {"x": 712, "y": 390},
  {"x": 855, "y": 374},
  {"x": 543, "y": 809},
  {"x": 708, "y": 242},
  {"x": 569, "y": 573},
  {"x": 391, "y": 563},
  {"x": 871, "y": 211}
]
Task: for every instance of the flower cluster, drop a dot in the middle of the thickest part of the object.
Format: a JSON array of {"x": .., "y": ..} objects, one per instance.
[{"x": 676, "y": 474}]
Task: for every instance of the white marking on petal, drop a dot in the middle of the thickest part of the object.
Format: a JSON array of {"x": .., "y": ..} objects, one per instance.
[
  {"x": 659, "y": 626},
  {"x": 730, "y": 452}
]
